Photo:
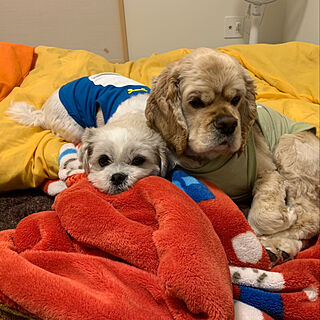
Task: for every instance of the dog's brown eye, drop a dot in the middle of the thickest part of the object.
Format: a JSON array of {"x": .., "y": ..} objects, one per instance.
[
  {"x": 235, "y": 100},
  {"x": 197, "y": 103},
  {"x": 104, "y": 161},
  {"x": 138, "y": 161}
]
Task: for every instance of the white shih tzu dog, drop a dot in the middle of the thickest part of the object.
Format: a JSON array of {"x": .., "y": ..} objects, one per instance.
[
  {"x": 121, "y": 153},
  {"x": 106, "y": 113}
]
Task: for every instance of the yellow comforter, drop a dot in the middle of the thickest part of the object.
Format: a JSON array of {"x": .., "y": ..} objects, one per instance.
[{"x": 287, "y": 79}]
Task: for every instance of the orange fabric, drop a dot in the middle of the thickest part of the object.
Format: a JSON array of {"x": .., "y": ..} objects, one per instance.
[
  {"x": 150, "y": 252},
  {"x": 75, "y": 178},
  {"x": 15, "y": 64},
  {"x": 97, "y": 256}
]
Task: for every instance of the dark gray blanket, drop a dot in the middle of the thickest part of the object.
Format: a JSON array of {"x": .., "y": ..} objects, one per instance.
[{"x": 15, "y": 205}]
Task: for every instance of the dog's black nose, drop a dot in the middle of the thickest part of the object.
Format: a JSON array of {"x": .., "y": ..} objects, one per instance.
[
  {"x": 118, "y": 178},
  {"x": 226, "y": 124}
]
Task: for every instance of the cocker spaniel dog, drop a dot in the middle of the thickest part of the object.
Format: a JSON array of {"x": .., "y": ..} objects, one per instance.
[{"x": 204, "y": 107}]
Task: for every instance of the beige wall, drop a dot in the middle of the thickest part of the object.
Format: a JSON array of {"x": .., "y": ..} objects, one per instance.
[
  {"x": 302, "y": 21},
  {"x": 153, "y": 26},
  {"x": 158, "y": 26},
  {"x": 73, "y": 24}
]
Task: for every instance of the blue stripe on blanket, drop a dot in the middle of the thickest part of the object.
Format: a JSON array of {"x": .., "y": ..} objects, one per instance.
[
  {"x": 191, "y": 186},
  {"x": 269, "y": 302}
]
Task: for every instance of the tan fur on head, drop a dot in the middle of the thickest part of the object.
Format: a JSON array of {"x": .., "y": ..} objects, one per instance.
[
  {"x": 247, "y": 109},
  {"x": 213, "y": 78},
  {"x": 164, "y": 111}
]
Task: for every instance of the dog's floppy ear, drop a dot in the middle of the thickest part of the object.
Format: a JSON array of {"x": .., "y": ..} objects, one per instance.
[
  {"x": 248, "y": 110},
  {"x": 164, "y": 109},
  {"x": 167, "y": 160},
  {"x": 86, "y": 148},
  {"x": 163, "y": 156}
]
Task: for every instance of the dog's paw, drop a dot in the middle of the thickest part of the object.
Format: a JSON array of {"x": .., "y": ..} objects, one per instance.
[
  {"x": 281, "y": 249},
  {"x": 267, "y": 220},
  {"x": 277, "y": 257}
]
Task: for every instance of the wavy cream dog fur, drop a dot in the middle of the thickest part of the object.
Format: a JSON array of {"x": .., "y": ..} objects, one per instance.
[{"x": 204, "y": 107}]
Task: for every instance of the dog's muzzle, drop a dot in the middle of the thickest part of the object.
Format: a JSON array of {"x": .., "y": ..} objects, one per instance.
[
  {"x": 225, "y": 124},
  {"x": 118, "y": 178}
]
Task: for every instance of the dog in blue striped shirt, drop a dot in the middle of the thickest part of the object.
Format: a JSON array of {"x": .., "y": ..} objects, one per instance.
[{"x": 106, "y": 112}]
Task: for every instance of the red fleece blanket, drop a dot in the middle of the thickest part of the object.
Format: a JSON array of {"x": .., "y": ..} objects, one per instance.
[{"x": 152, "y": 252}]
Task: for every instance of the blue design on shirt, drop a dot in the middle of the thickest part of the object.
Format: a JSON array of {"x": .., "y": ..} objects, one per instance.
[
  {"x": 66, "y": 152},
  {"x": 83, "y": 96},
  {"x": 193, "y": 187}
]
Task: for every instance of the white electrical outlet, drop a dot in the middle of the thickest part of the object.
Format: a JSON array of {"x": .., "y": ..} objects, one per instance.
[{"x": 233, "y": 27}]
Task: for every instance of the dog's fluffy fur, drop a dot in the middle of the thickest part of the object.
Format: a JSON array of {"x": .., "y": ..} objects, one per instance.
[
  {"x": 115, "y": 155},
  {"x": 204, "y": 106},
  {"x": 122, "y": 152}
]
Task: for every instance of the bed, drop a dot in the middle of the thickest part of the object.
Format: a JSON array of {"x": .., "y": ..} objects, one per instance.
[{"x": 188, "y": 251}]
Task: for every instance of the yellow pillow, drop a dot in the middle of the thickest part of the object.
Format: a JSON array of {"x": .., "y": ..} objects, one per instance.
[{"x": 286, "y": 75}]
